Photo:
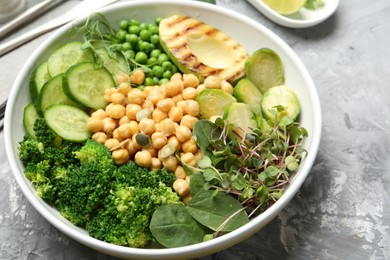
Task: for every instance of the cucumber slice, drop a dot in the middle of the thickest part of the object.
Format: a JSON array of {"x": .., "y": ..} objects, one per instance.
[
  {"x": 116, "y": 65},
  {"x": 86, "y": 84},
  {"x": 38, "y": 78},
  {"x": 281, "y": 96},
  {"x": 52, "y": 93},
  {"x": 66, "y": 56},
  {"x": 30, "y": 115},
  {"x": 68, "y": 122}
]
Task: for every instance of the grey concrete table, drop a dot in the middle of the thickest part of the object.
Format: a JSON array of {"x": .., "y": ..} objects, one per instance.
[{"x": 343, "y": 209}]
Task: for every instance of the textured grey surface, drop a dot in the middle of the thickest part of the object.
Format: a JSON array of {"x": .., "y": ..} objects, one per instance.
[{"x": 343, "y": 209}]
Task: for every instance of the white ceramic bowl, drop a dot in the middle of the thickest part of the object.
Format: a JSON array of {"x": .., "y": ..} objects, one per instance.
[{"x": 246, "y": 31}]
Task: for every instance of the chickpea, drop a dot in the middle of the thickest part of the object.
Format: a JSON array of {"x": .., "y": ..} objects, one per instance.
[
  {"x": 181, "y": 187},
  {"x": 173, "y": 87},
  {"x": 189, "y": 93},
  {"x": 190, "y": 81},
  {"x": 188, "y": 159},
  {"x": 198, "y": 155},
  {"x": 121, "y": 78},
  {"x": 159, "y": 140},
  {"x": 137, "y": 77},
  {"x": 227, "y": 87},
  {"x": 120, "y": 156},
  {"x": 143, "y": 158},
  {"x": 177, "y": 98},
  {"x": 136, "y": 145},
  {"x": 200, "y": 88},
  {"x": 111, "y": 143},
  {"x": 165, "y": 104},
  {"x": 176, "y": 114},
  {"x": 176, "y": 76},
  {"x": 124, "y": 120},
  {"x": 132, "y": 110},
  {"x": 156, "y": 164},
  {"x": 186, "y": 199},
  {"x": 148, "y": 104},
  {"x": 108, "y": 93},
  {"x": 212, "y": 82},
  {"x": 170, "y": 163},
  {"x": 118, "y": 98},
  {"x": 157, "y": 127},
  {"x": 116, "y": 135},
  {"x": 189, "y": 146},
  {"x": 133, "y": 127},
  {"x": 182, "y": 104},
  {"x": 151, "y": 150},
  {"x": 173, "y": 140},
  {"x": 188, "y": 121},
  {"x": 148, "y": 89},
  {"x": 99, "y": 137},
  {"x": 124, "y": 130},
  {"x": 192, "y": 107},
  {"x": 94, "y": 124},
  {"x": 155, "y": 95},
  {"x": 146, "y": 126},
  {"x": 180, "y": 173},
  {"x": 136, "y": 96},
  {"x": 158, "y": 115},
  {"x": 124, "y": 88},
  {"x": 116, "y": 111},
  {"x": 183, "y": 133},
  {"x": 100, "y": 114},
  {"x": 167, "y": 127},
  {"x": 109, "y": 124},
  {"x": 130, "y": 147}
]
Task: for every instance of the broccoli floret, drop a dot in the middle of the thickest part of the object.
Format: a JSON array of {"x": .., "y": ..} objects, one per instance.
[
  {"x": 40, "y": 176},
  {"x": 128, "y": 209}
]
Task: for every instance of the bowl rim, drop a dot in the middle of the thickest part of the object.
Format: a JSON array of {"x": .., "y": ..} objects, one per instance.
[{"x": 192, "y": 250}]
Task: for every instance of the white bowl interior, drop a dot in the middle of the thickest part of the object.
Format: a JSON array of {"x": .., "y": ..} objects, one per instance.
[{"x": 247, "y": 32}]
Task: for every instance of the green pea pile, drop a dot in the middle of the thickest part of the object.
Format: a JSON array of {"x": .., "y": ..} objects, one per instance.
[{"x": 141, "y": 43}]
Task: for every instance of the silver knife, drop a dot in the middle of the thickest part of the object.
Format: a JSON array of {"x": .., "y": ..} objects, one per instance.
[{"x": 84, "y": 8}]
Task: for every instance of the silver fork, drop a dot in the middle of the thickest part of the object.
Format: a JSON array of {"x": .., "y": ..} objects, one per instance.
[{"x": 2, "y": 112}]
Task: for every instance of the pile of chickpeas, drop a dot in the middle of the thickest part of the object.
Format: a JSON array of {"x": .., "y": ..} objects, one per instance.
[{"x": 154, "y": 125}]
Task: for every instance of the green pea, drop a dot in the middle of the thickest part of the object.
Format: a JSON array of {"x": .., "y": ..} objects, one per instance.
[
  {"x": 133, "y": 22},
  {"x": 156, "y": 80},
  {"x": 158, "y": 71},
  {"x": 145, "y": 35},
  {"x": 149, "y": 81},
  {"x": 134, "y": 29},
  {"x": 152, "y": 61},
  {"x": 126, "y": 46},
  {"x": 157, "y": 20},
  {"x": 162, "y": 57},
  {"x": 143, "y": 26},
  {"x": 163, "y": 81},
  {"x": 123, "y": 24},
  {"x": 132, "y": 38},
  {"x": 167, "y": 74},
  {"x": 175, "y": 69},
  {"x": 141, "y": 57},
  {"x": 121, "y": 34},
  {"x": 145, "y": 47},
  {"x": 153, "y": 29},
  {"x": 155, "y": 53},
  {"x": 155, "y": 38},
  {"x": 167, "y": 65},
  {"x": 130, "y": 54}
]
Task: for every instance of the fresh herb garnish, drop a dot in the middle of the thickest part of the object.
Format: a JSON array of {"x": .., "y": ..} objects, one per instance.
[{"x": 314, "y": 4}]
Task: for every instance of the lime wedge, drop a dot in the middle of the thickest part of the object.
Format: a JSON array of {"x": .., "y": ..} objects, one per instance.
[{"x": 285, "y": 7}]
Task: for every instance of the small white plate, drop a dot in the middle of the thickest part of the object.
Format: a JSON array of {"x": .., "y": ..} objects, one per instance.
[{"x": 302, "y": 19}]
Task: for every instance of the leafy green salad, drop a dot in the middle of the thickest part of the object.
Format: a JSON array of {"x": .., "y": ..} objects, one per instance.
[{"x": 138, "y": 136}]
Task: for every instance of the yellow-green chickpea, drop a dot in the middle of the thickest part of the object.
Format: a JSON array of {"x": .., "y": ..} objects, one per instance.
[
  {"x": 99, "y": 137},
  {"x": 146, "y": 126},
  {"x": 132, "y": 110},
  {"x": 118, "y": 98},
  {"x": 200, "y": 88},
  {"x": 165, "y": 104},
  {"x": 94, "y": 124},
  {"x": 167, "y": 126},
  {"x": 159, "y": 140},
  {"x": 120, "y": 156},
  {"x": 176, "y": 114},
  {"x": 190, "y": 81},
  {"x": 170, "y": 163},
  {"x": 189, "y": 93},
  {"x": 182, "y": 104},
  {"x": 109, "y": 124},
  {"x": 192, "y": 108},
  {"x": 158, "y": 115},
  {"x": 227, "y": 87},
  {"x": 189, "y": 146},
  {"x": 156, "y": 164},
  {"x": 188, "y": 121},
  {"x": 137, "y": 77},
  {"x": 180, "y": 172},
  {"x": 155, "y": 95},
  {"x": 124, "y": 88},
  {"x": 188, "y": 159},
  {"x": 111, "y": 143},
  {"x": 181, "y": 187},
  {"x": 124, "y": 120},
  {"x": 100, "y": 113},
  {"x": 148, "y": 104},
  {"x": 136, "y": 96},
  {"x": 183, "y": 133},
  {"x": 212, "y": 82},
  {"x": 176, "y": 76},
  {"x": 143, "y": 158},
  {"x": 108, "y": 93},
  {"x": 121, "y": 78},
  {"x": 124, "y": 130},
  {"x": 173, "y": 140},
  {"x": 173, "y": 87},
  {"x": 116, "y": 111}
]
